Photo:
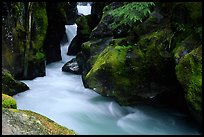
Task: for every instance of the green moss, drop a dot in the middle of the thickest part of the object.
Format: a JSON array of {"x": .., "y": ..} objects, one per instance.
[
  {"x": 40, "y": 23},
  {"x": 111, "y": 55},
  {"x": 39, "y": 56},
  {"x": 185, "y": 46},
  {"x": 8, "y": 102},
  {"x": 108, "y": 70},
  {"x": 52, "y": 127},
  {"x": 189, "y": 74},
  {"x": 83, "y": 24}
]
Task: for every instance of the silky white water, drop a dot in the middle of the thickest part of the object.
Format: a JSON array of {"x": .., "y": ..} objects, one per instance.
[{"x": 62, "y": 97}]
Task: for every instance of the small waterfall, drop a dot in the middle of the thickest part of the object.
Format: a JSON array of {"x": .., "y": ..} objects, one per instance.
[
  {"x": 85, "y": 10},
  {"x": 71, "y": 31}
]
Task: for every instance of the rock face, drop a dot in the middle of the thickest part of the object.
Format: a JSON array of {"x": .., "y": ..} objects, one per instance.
[
  {"x": 24, "y": 122},
  {"x": 136, "y": 59},
  {"x": 59, "y": 14},
  {"x": 24, "y": 26}
]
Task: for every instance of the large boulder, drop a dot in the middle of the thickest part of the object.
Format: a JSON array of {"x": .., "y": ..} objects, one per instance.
[
  {"x": 136, "y": 73},
  {"x": 24, "y": 122},
  {"x": 189, "y": 74}
]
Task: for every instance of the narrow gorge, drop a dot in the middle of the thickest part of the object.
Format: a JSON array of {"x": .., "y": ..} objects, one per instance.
[{"x": 116, "y": 74}]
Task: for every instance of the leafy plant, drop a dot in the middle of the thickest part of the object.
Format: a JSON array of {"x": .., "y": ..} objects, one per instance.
[{"x": 130, "y": 13}]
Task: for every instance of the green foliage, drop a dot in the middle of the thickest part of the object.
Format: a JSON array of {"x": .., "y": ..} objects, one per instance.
[{"x": 130, "y": 13}]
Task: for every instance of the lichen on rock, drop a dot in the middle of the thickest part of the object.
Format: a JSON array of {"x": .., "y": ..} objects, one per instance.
[{"x": 25, "y": 122}]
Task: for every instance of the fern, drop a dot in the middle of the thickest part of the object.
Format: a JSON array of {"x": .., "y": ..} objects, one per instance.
[{"x": 130, "y": 13}]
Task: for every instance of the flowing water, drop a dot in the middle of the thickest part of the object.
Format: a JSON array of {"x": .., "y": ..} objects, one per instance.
[{"x": 62, "y": 97}]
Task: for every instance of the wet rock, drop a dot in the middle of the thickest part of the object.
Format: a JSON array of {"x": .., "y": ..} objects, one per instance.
[
  {"x": 72, "y": 67},
  {"x": 10, "y": 86}
]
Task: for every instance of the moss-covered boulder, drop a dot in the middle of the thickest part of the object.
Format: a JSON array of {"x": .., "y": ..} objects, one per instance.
[
  {"x": 90, "y": 52},
  {"x": 107, "y": 76},
  {"x": 132, "y": 73},
  {"x": 189, "y": 74},
  {"x": 8, "y": 102},
  {"x": 10, "y": 86},
  {"x": 24, "y": 122}
]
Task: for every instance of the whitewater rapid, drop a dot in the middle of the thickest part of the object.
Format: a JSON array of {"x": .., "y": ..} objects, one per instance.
[{"x": 62, "y": 97}]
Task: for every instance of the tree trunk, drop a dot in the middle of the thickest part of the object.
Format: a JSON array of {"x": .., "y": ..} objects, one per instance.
[{"x": 28, "y": 36}]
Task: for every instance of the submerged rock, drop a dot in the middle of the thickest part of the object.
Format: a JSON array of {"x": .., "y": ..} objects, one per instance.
[{"x": 72, "y": 66}]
